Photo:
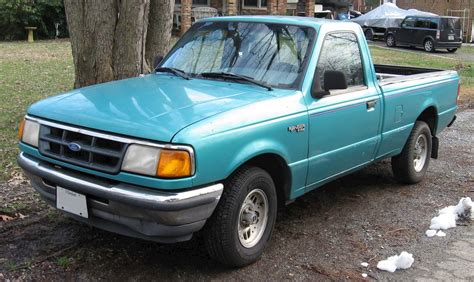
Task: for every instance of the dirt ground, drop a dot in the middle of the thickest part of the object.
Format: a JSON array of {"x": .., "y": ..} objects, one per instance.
[{"x": 324, "y": 235}]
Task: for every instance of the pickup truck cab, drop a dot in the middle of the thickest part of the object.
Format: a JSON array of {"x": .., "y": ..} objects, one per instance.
[
  {"x": 431, "y": 33},
  {"x": 244, "y": 114}
]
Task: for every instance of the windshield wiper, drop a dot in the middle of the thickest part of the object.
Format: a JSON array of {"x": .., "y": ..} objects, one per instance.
[
  {"x": 233, "y": 76},
  {"x": 174, "y": 71}
]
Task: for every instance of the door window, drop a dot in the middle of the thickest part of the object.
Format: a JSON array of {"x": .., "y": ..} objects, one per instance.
[
  {"x": 340, "y": 52},
  {"x": 408, "y": 22}
]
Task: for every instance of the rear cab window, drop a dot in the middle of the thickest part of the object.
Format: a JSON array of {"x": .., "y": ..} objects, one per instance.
[{"x": 341, "y": 52}]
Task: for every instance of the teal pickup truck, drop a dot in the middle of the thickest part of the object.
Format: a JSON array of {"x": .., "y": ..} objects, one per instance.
[{"x": 243, "y": 115}]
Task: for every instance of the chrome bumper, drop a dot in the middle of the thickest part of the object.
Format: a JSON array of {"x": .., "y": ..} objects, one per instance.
[{"x": 127, "y": 209}]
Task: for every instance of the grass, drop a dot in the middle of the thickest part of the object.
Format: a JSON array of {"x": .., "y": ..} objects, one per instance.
[
  {"x": 421, "y": 59},
  {"x": 28, "y": 73},
  {"x": 31, "y": 72}
]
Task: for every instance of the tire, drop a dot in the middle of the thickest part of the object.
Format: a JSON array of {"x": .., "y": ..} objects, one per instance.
[
  {"x": 390, "y": 41},
  {"x": 452, "y": 50},
  {"x": 428, "y": 45},
  {"x": 369, "y": 34},
  {"x": 226, "y": 237},
  {"x": 410, "y": 165}
]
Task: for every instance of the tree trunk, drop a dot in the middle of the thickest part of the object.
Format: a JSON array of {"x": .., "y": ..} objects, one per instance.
[
  {"x": 109, "y": 37},
  {"x": 91, "y": 29},
  {"x": 160, "y": 25},
  {"x": 130, "y": 38}
]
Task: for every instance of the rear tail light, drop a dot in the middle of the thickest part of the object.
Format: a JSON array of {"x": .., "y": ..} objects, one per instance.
[{"x": 438, "y": 34}]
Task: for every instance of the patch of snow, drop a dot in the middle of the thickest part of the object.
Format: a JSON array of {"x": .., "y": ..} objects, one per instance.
[
  {"x": 364, "y": 275},
  {"x": 402, "y": 261},
  {"x": 440, "y": 234},
  {"x": 430, "y": 232},
  {"x": 447, "y": 216},
  {"x": 364, "y": 264}
]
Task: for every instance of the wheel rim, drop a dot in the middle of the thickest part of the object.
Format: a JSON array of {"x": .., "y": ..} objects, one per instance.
[
  {"x": 420, "y": 154},
  {"x": 390, "y": 41},
  {"x": 428, "y": 45},
  {"x": 253, "y": 218}
]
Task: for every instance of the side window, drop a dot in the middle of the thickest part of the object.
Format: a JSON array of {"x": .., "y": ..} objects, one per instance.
[
  {"x": 433, "y": 24},
  {"x": 409, "y": 22},
  {"x": 420, "y": 22},
  {"x": 340, "y": 52}
]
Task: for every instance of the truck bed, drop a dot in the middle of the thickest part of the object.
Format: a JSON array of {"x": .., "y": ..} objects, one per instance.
[{"x": 386, "y": 72}]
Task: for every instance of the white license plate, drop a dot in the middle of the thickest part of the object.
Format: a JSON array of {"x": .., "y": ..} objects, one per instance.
[
  {"x": 71, "y": 201},
  {"x": 450, "y": 37}
]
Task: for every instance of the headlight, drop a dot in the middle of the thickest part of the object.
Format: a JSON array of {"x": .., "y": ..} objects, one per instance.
[
  {"x": 28, "y": 132},
  {"x": 165, "y": 163}
]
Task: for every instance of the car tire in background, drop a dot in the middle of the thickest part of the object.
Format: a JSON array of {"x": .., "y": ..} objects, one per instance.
[
  {"x": 428, "y": 45},
  {"x": 410, "y": 165},
  {"x": 390, "y": 41},
  {"x": 242, "y": 224},
  {"x": 452, "y": 50},
  {"x": 369, "y": 34}
]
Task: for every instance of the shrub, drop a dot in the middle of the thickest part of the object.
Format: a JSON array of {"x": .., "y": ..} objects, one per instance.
[{"x": 16, "y": 14}]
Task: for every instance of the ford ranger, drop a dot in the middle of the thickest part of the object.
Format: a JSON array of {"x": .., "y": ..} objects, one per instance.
[{"x": 243, "y": 115}]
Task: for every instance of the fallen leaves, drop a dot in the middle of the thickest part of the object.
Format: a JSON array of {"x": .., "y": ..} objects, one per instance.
[{"x": 7, "y": 218}]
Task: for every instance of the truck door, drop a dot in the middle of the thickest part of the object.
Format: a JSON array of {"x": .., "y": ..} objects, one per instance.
[
  {"x": 405, "y": 33},
  {"x": 344, "y": 125}
]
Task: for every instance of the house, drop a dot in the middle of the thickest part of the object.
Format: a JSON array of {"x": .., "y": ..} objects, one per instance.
[{"x": 183, "y": 17}]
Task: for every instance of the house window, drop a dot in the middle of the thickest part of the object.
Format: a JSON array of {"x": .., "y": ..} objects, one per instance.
[
  {"x": 195, "y": 2},
  {"x": 254, "y": 3}
]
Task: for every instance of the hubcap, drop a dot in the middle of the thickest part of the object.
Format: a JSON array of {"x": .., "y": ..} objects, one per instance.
[
  {"x": 253, "y": 218},
  {"x": 420, "y": 154},
  {"x": 390, "y": 41},
  {"x": 428, "y": 45}
]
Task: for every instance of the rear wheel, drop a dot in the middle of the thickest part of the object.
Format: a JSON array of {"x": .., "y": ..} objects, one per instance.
[
  {"x": 429, "y": 45},
  {"x": 452, "y": 50},
  {"x": 390, "y": 41},
  {"x": 411, "y": 164},
  {"x": 243, "y": 221}
]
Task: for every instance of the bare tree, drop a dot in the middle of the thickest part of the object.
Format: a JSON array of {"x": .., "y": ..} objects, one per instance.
[{"x": 109, "y": 37}]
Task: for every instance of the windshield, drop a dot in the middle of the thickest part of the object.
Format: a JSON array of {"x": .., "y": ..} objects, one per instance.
[{"x": 273, "y": 54}]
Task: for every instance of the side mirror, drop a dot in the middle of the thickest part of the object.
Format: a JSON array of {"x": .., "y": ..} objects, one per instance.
[
  {"x": 157, "y": 61},
  {"x": 332, "y": 80}
]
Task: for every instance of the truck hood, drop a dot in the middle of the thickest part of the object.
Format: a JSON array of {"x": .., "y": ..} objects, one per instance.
[{"x": 153, "y": 107}]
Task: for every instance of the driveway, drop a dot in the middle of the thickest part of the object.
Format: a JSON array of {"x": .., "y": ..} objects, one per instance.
[
  {"x": 466, "y": 53},
  {"x": 325, "y": 235}
]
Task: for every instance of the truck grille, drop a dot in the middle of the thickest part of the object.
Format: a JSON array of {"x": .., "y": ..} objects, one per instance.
[{"x": 81, "y": 149}]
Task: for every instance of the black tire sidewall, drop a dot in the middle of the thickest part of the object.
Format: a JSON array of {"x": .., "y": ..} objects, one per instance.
[
  {"x": 260, "y": 180},
  {"x": 422, "y": 129},
  {"x": 393, "y": 41},
  {"x": 432, "y": 45}
]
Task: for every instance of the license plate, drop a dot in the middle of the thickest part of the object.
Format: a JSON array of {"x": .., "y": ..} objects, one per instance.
[
  {"x": 450, "y": 37},
  {"x": 71, "y": 202}
]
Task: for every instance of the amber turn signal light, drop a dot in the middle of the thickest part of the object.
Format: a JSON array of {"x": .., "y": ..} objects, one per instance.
[
  {"x": 21, "y": 127},
  {"x": 173, "y": 164}
]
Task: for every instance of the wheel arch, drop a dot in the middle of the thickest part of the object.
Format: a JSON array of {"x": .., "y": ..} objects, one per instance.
[
  {"x": 430, "y": 116},
  {"x": 278, "y": 169}
]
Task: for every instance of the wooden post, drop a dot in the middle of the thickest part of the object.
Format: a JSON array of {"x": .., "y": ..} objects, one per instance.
[
  {"x": 231, "y": 7},
  {"x": 272, "y": 7},
  {"x": 309, "y": 8},
  {"x": 186, "y": 6},
  {"x": 282, "y": 7}
]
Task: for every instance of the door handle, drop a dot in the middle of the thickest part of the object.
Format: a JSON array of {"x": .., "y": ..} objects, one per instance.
[{"x": 371, "y": 105}]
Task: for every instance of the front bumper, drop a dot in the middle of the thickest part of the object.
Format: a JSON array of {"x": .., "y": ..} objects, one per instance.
[{"x": 127, "y": 209}]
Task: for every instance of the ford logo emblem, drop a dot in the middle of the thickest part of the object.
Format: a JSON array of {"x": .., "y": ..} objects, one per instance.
[{"x": 74, "y": 147}]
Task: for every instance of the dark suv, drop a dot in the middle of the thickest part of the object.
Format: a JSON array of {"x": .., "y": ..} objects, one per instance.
[{"x": 431, "y": 33}]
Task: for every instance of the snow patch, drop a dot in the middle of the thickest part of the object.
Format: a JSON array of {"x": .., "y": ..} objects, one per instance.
[
  {"x": 430, "y": 232},
  {"x": 364, "y": 264},
  {"x": 447, "y": 216},
  {"x": 402, "y": 261},
  {"x": 364, "y": 275},
  {"x": 440, "y": 234}
]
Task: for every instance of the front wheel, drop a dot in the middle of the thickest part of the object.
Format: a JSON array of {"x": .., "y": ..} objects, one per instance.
[
  {"x": 411, "y": 164},
  {"x": 242, "y": 224},
  {"x": 390, "y": 41},
  {"x": 452, "y": 50}
]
